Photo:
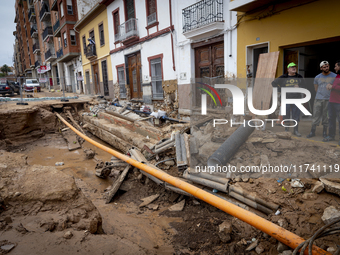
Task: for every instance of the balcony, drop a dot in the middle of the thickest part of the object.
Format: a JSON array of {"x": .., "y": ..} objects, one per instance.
[
  {"x": 45, "y": 14},
  {"x": 37, "y": 64},
  {"x": 36, "y": 48},
  {"x": 49, "y": 55},
  {"x": 54, "y": 6},
  {"x": 60, "y": 53},
  {"x": 152, "y": 18},
  {"x": 127, "y": 32},
  {"x": 203, "y": 19},
  {"x": 91, "y": 52},
  {"x": 47, "y": 34},
  {"x": 34, "y": 32},
  {"x": 56, "y": 29},
  {"x": 31, "y": 15}
]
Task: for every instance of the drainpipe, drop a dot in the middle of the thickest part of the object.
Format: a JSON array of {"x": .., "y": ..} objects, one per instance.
[
  {"x": 268, "y": 227},
  {"x": 172, "y": 39}
]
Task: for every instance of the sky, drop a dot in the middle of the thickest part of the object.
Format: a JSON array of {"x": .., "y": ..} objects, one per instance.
[{"x": 7, "y": 26}]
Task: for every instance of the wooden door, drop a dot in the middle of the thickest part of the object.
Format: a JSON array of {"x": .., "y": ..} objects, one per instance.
[
  {"x": 96, "y": 78},
  {"x": 209, "y": 67},
  {"x": 135, "y": 74},
  {"x": 209, "y": 61}
]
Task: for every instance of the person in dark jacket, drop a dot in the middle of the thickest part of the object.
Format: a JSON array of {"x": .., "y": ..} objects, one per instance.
[
  {"x": 291, "y": 79},
  {"x": 334, "y": 104}
]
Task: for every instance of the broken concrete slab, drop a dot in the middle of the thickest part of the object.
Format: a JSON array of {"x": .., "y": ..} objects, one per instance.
[
  {"x": 71, "y": 139},
  {"x": 309, "y": 196},
  {"x": 148, "y": 200},
  {"x": 330, "y": 214},
  {"x": 152, "y": 206},
  {"x": 331, "y": 183},
  {"x": 225, "y": 229},
  {"x": 284, "y": 135},
  {"x": 255, "y": 140},
  {"x": 259, "y": 249},
  {"x": 253, "y": 245},
  {"x": 177, "y": 207},
  {"x": 318, "y": 187},
  {"x": 7, "y": 247},
  {"x": 269, "y": 140},
  {"x": 282, "y": 247}
]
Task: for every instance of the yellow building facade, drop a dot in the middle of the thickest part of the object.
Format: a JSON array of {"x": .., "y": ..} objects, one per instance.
[
  {"x": 306, "y": 32},
  {"x": 95, "y": 50}
]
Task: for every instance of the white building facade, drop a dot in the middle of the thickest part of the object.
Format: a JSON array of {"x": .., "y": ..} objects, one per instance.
[
  {"x": 142, "y": 51},
  {"x": 206, "y": 43}
]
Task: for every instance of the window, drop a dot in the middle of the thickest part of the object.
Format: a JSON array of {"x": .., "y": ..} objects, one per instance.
[
  {"x": 61, "y": 8},
  {"x": 105, "y": 79},
  {"x": 156, "y": 77},
  {"x": 151, "y": 11},
  {"x": 101, "y": 34},
  {"x": 116, "y": 24},
  {"x": 84, "y": 44},
  {"x": 121, "y": 82},
  {"x": 91, "y": 35},
  {"x": 129, "y": 9},
  {"x": 69, "y": 7},
  {"x": 73, "y": 37},
  {"x": 65, "y": 39}
]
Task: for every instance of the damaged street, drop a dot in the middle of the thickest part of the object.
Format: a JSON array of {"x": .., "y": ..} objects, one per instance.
[{"x": 62, "y": 194}]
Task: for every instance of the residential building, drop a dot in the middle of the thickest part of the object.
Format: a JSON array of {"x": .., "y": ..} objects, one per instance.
[
  {"x": 297, "y": 29},
  {"x": 66, "y": 66},
  {"x": 22, "y": 34},
  {"x": 206, "y": 43},
  {"x": 95, "y": 50},
  {"x": 16, "y": 57},
  {"x": 142, "y": 50}
]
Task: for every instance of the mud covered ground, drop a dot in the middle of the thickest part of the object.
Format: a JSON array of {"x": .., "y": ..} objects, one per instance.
[
  {"x": 48, "y": 209},
  {"x": 54, "y": 200}
]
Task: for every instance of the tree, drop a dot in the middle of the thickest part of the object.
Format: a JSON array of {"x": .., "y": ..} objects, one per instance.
[{"x": 5, "y": 69}]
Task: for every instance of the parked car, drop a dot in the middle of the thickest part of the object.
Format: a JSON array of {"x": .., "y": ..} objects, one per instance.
[
  {"x": 9, "y": 87},
  {"x": 31, "y": 84}
]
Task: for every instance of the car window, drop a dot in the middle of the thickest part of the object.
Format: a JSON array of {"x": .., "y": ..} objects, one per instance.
[{"x": 31, "y": 81}]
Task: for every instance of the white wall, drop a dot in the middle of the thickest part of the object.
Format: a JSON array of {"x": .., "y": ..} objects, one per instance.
[
  {"x": 163, "y": 16},
  {"x": 84, "y": 6},
  {"x": 155, "y": 46},
  {"x": 185, "y": 54}
]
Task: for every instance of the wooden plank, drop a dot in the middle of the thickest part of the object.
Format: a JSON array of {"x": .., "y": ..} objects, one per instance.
[
  {"x": 117, "y": 184},
  {"x": 265, "y": 74}
]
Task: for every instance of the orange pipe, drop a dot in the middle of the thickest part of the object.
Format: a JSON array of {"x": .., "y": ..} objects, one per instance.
[{"x": 281, "y": 234}]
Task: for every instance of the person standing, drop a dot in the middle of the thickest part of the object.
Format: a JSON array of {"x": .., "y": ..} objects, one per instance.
[
  {"x": 291, "y": 79},
  {"x": 321, "y": 99},
  {"x": 334, "y": 104}
]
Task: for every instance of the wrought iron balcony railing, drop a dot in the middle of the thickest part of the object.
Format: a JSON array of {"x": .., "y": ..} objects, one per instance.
[
  {"x": 34, "y": 31},
  {"x": 59, "y": 53},
  {"x": 47, "y": 32},
  {"x": 201, "y": 14},
  {"x": 36, "y": 47},
  {"x": 56, "y": 25},
  {"x": 91, "y": 51},
  {"x": 44, "y": 11},
  {"x": 126, "y": 30},
  {"x": 49, "y": 54},
  {"x": 152, "y": 18},
  {"x": 31, "y": 13}
]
